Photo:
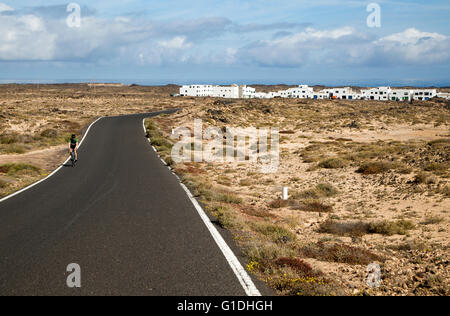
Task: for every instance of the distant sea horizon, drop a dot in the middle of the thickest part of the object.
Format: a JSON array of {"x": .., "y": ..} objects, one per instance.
[{"x": 163, "y": 82}]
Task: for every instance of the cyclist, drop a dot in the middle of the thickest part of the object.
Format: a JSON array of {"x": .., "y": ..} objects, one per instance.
[{"x": 73, "y": 146}]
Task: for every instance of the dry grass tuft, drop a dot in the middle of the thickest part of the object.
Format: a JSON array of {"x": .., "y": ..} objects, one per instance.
[
  {"x": 374, "y": 168},
  {"x": 340, "y": 253}
]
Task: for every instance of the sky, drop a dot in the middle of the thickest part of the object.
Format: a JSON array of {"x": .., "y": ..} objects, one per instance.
[{"x": 326, "y": 42}]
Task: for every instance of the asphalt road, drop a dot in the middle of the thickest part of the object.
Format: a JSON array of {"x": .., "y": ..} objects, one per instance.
[{"x": 121, "y": 216}]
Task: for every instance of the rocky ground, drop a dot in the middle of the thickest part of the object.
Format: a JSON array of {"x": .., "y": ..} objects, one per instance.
[{"x": 368, "y": 182}]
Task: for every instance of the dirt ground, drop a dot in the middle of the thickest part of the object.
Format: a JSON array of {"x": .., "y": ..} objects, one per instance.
[{"x": 368, "y": 181}]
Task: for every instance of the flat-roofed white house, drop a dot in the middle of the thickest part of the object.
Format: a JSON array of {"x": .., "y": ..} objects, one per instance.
[
  {"x": 424, "y": 94},
  {"x": 400, "y": 95},
  {"x": 231, "y": 92},
  {"x": 339, "y": 93},
  {"x": 300, "y": 92},
  {"x": 247, "y": 92},
  {"x": 444, "y": 95},
  {"x": 378, "y": 94}
]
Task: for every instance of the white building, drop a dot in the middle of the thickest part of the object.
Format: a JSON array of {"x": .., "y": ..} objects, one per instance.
[
  {"x": 247, "y": 92},
  {"x": 320, "y": 96},
  {"x": 378, "y": 94},
  {"x": 230, "y": 92},
  {"x": 300, "y": 92},
  {"x": 444, "y": 95},
  {"x": 424, "y": 94},
  {"x": 400, "y": 95},
  {"x": 306, "y": 92},
  {"x": 339, "y": 93}
]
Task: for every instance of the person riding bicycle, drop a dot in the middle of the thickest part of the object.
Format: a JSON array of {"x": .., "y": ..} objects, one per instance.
[{"x": 73, "y": 146}]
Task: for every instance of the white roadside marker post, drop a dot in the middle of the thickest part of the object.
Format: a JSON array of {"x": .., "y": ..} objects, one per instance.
[{"x": 285, "y": 193}]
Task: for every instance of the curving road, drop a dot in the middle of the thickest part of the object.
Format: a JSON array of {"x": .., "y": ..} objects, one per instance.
[{"x": 122, "y": 216}]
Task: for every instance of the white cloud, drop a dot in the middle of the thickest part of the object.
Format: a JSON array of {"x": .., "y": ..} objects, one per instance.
[
  {"x": 412, "y": 47},
  {"x": 347, "y": 46},
  {"x": 25, "y": 38},
  {"x": 215, "y": 40},
  {"x": 5, "y": 8},
  {"x": 178, "y": 42}
]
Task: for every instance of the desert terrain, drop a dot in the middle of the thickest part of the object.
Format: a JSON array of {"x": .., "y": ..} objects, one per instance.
[{"x": 368, "y": 181}]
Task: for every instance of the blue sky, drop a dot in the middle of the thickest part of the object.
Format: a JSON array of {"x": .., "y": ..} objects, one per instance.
[{"x": 258, "y": 41}]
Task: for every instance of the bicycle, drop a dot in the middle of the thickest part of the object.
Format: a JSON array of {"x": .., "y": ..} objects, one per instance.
[{"x": 72, "y": 158}]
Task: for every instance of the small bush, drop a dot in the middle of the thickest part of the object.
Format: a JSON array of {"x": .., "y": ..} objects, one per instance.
[
  {"x": 3, "y": 184},
  {"x": 298, "y": 265},
  {"x": 332, "y": 163},
  {"x": 423, "y": 178},
  {"x": 357, "y": 229},
  {"x": 49, "y": 133},
  {"x": 315, "y": 206},
  {"x": 15, "y": 149},
  {"x": 352, "y": 229},
  {"x": 321, "y": 190},
  {"x": 223, "y": 216},
  {"x": 399, "y": 227},
  {"x": 340, "y": 253},
  {"x": 327, "y": 189},
  {"x": 13, "y": 169},
  {"x": 432, "y": 220},
  {"x": 374, "y": 168},
  {"x": 226, "y": 198},
  {"x": 161, "y": 143},
  {"x": 436, "y": 167},
  {"x": 275, "y": 233},
  {"x": 278, "y": 203}
]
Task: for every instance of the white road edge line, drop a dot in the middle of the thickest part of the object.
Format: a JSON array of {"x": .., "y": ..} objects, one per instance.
[
  {"x": 242, "y": 275},
  {"x": 54, "y": 172}
]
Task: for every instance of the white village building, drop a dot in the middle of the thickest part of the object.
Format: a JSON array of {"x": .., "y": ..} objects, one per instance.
[
  {"x": 444, "y": 96},
  {"x": 424, "y": 94},
  {"x": 378, "y": 94},
  {"x": 306, "y": 92},
  {"x": 229, "y": 92},
  {"x": 400, "y": 95},
  {"x": 339, "y": 93}
]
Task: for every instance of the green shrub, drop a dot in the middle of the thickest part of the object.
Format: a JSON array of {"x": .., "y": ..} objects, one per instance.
[
  {"x": 223, "y": 216},
  {"x": 225, "y": 198},
  {"x": 275, "y": 233},
  {"x": 13, "y": 169},
  {"x": 399, "y": 227},
  {"x": 321, "y": 190},
  {"x": 332, "y": 163},
  {"x": 327, "y": 189}
]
